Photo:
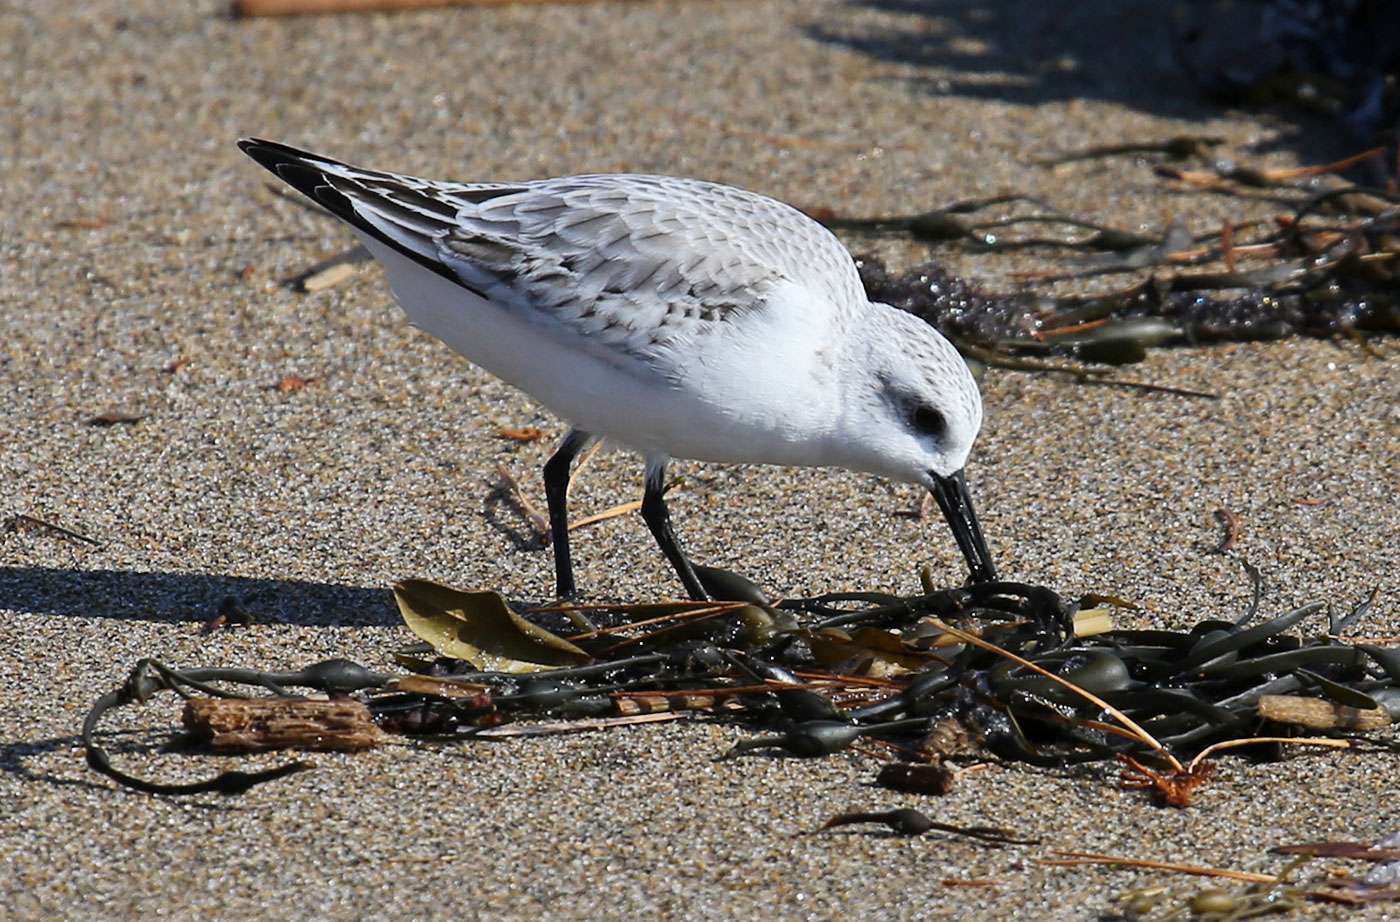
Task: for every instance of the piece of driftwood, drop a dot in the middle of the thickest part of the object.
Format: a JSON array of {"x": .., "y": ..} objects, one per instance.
[
  {"x": 266, "y": 724},
  {"x": 1324, "y": 715},
  {"x": 304, "y": 7}
]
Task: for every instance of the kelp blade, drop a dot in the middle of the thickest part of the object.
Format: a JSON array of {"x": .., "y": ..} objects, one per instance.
[{"x": 480, "y": 627}]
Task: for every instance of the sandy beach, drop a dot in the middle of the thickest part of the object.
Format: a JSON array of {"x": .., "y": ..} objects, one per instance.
[{"x": 143, "y": 262}]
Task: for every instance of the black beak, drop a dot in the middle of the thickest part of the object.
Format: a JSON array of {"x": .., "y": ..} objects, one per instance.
[{"x": 956, "y": 503}]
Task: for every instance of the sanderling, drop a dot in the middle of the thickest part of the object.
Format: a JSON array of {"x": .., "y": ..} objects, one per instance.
[{"x": 679, "y": 318}]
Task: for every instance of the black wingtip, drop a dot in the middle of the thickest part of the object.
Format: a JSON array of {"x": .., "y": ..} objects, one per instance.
[
  {"x": 305, "y": 172},
  {"x": 300, "y": 169},
  {"x": 313, "y": 175},
  {"x": 270, "y": 153}
]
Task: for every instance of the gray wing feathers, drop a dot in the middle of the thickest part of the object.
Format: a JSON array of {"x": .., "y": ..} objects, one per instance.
[{"x": 637, "y": 263}]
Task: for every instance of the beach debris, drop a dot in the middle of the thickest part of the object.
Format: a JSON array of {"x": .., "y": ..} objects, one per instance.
[
  {"x": 1224, "y": 172},
  {"x": 1328, "y": 264},
  {"x": 1178, "y": 147},
  {"x": 916, "y": 778},
  {"x": 520, "y": 499},
  {"x": 149, "y": 676},
  {"x": 115, "y": 418},
  {"x": 244, "y": 725},
  {"x": 987, "y": 670},
  {"x": 20, "y": 522},
  {"x": 1066, "y": 858},
  {"x": 523, "y": 434},
  {"x": 1380, "y": 884},
  {"x": 231, "y": 614},
  {"x": 82, "y": 223},
  {"x": 292, "y": 383},
  {"x": 906, "y": 821},
  {"x": 1175, "y": 788},
  {"x": 1322, "y": 715},
  {"x": 1342, "y": 285},
  {"x": 328, "y": 277},
  {"x": 902, "y": 822},
  {"x": 480, "y": 629},
  {"x": 1214, "y": 902},
  {"x": 1260, "y": 893},
  {"x": 1232, "y": 529},
  {"x": 329, "y": 272}
]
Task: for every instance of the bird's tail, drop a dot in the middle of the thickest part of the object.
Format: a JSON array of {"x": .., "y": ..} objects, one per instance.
[{"x": 386, "y": 207}]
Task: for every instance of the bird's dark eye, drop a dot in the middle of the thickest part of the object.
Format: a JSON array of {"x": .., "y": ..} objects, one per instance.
[{"x": 928, "y": 421}]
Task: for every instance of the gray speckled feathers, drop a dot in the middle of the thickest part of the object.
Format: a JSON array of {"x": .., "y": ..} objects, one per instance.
[{"x": 632, "y": 262}]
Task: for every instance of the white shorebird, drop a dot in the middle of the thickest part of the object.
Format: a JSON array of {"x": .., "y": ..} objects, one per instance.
[{"x": 679, "y": 318}]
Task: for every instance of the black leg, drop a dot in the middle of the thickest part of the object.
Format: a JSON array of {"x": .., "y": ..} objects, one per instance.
[
  {"x": 556, "y": 494},
  {"x": 658, "y": 519}
]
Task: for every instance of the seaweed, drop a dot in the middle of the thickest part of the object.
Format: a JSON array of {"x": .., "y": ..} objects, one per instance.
[{"x": 1003, "y": 670}]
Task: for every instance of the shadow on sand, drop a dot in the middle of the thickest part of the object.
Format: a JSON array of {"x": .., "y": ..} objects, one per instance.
[
  {"x": 1121, "y": 51},
  {"x": 190, "y": 597}
]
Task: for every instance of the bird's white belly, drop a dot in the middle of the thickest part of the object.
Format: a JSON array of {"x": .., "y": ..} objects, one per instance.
[{"x": 731, "y": 405}]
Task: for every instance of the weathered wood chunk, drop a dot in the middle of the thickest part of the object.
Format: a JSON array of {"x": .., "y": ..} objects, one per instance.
[{"x": 266, "y": 724}]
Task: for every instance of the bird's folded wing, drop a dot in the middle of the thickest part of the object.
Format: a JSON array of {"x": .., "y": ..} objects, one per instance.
[
  {"x": 608, "y": 266},
  {"x": 610, "y": 263}
]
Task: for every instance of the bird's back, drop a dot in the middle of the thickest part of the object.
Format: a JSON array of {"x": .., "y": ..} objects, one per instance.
[{"x": 633, "y": 262}]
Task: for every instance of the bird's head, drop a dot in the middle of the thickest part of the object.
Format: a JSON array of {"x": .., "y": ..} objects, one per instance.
[{"x": 921, "y": 411}]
